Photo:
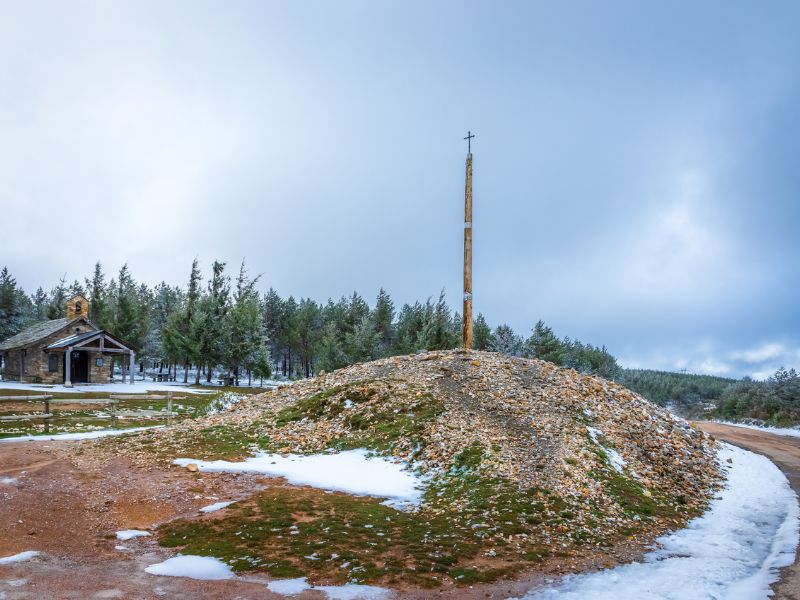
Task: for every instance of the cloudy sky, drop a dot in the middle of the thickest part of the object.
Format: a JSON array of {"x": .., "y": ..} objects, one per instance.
[{"x": 636, "y": 163}]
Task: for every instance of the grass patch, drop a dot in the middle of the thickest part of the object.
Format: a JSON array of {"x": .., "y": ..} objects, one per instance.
[{"x": 336, "y": 538}]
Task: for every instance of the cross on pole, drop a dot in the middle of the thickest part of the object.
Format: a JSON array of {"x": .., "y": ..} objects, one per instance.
[
  {"x": 467, "y": 314},
  {"x": 469, "y": 137}
]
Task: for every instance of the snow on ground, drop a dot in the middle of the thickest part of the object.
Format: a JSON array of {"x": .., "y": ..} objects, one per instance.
[
  {"x": 66, "y": 437},
  {"x": 353, "y": 472},
  {"x": 614, "y": 457},
  {"x": 139, "y": 387},
  {"x": 215, "y": 507},
  {"x": 195, "y": 567},
  {"x": 7, "y": 481},
  {"x": 350, "y": 591},
  {"x": 129, "y": 534},
  {"x": 787, "y": 431},
  {"x": 733, "y": 551},
  {"x": 225, "y": 402},
  {"x": 15, "y": 558}
]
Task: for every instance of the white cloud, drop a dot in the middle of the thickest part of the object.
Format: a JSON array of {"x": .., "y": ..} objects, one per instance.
[
  {"x": 762, "y": 353},
  {"x": 759, "y": 362}
]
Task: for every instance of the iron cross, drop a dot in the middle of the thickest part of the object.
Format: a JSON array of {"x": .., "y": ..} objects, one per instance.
[{"x": 469, "y": 137}]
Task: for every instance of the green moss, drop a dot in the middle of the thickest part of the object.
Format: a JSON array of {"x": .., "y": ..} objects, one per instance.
[
  {"x": 384, "y": 426},
  {"x": 312, "y": 407},
  {"x": 334, "y": 537},
  {"x": 630, "y": 496},
  {"x": 470, "y": 458}
]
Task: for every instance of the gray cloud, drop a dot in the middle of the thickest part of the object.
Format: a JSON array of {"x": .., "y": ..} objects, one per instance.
[{"x": 635, "y": 177}]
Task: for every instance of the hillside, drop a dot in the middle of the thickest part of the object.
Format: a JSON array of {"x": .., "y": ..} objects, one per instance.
[
  {"x": 686, "y": 392},
  {"x": 522, "y": 462}
]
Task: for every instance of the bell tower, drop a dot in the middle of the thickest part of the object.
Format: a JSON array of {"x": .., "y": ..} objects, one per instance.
[{"x": 77, "y": 306}]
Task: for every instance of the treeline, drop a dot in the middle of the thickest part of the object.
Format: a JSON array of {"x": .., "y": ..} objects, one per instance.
[
  {"x": 775, "y": 401},
  {"x": 226, "y": 326},
  {"x": 682, "y": 389}
]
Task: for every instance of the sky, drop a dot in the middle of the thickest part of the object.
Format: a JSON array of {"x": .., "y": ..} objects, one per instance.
[{"x": 635, "y": 164}]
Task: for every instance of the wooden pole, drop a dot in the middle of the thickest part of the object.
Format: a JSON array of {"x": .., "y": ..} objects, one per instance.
[
  {"x": 169, "y": 405},
  {"x": 68, "y": 367},
  {"x": 467, "y": 325}
]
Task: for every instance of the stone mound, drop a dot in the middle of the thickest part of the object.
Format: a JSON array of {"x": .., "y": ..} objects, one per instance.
[{"x": 523, "y": 460}]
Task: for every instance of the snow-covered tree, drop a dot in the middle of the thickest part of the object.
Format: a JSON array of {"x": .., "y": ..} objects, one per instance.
[
  {"x": 14, "y": 306},
  {"x": 506, "y": 341}
]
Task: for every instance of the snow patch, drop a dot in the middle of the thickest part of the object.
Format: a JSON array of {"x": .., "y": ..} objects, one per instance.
[
  {"x": 353, "y": 472},
  {"x": 215, "y": 507},
  {"x": 129, "y": 534},
  {"x": 140, "y": 387},
  {"x": 225, "y": 402},
  {"x": 350, "y": 591},
  {"x": 195, "y": 567},
  {"x": 7, "y": 480},
  {"x": 733, "y": 551},
  {"x": 66, "y": 437},
  {"x": 289, "y": 587},
  {"x": 15, "y": 558},
  {"x": 613, "y": 456},
  {"x": 786, "y": 431}
]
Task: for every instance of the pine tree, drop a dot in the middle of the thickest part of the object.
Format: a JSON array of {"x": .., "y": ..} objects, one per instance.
[
  {"x": 57, "y": 309},
  {"x": 125, "y": 324},
  {"x": 39, "y": 305},
  {"x": 76, "y": 289},
  {"x": 272, "y": 308},
  {"x": 14, "y": 306},
  {"x": 361, "y": 344},
  {"x": 144, "y": 324},
  {"x": 544, "y": 345},
  {"x": 383, "y": 317},
  {"x": 482, "y": 334},
  {"x": 98, "y": 297},
  {"x": 182, "y": 335},
  {"x": 437, "y": 331},
  {"x": 166, "y": 302},
  {"x": 214, "y": 306},
  {"x": 243, "y": 332},
  {"x": 261, "y": 364},
  {"x": 410, "y": 322},
  {"x": 308, "y": 324},
  {"x": 506, "y": 341},
  {"x": 331, "y": 354}
]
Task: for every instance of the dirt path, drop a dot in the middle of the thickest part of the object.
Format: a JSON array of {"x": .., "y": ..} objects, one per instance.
[{"x": 783, "y": 451}]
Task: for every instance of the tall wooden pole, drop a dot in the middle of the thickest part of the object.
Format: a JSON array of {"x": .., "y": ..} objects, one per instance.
[{"x": 467, "y": 325}]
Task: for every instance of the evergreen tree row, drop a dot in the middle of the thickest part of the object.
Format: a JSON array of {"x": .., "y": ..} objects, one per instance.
[{"x": 227, "y": 327}]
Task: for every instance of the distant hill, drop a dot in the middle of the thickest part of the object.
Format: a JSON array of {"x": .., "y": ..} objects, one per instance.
[{"x": 685, "y": 391}]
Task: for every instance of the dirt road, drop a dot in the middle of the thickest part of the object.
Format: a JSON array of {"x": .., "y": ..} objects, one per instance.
[{"x": 783, "y": 451}]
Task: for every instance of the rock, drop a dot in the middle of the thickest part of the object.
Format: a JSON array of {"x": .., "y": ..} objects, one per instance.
[{"x": 192, "y": 468}]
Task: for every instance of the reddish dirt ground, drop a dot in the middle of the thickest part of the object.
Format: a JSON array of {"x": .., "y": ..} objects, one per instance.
[{"x": 69, "y": 508}]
